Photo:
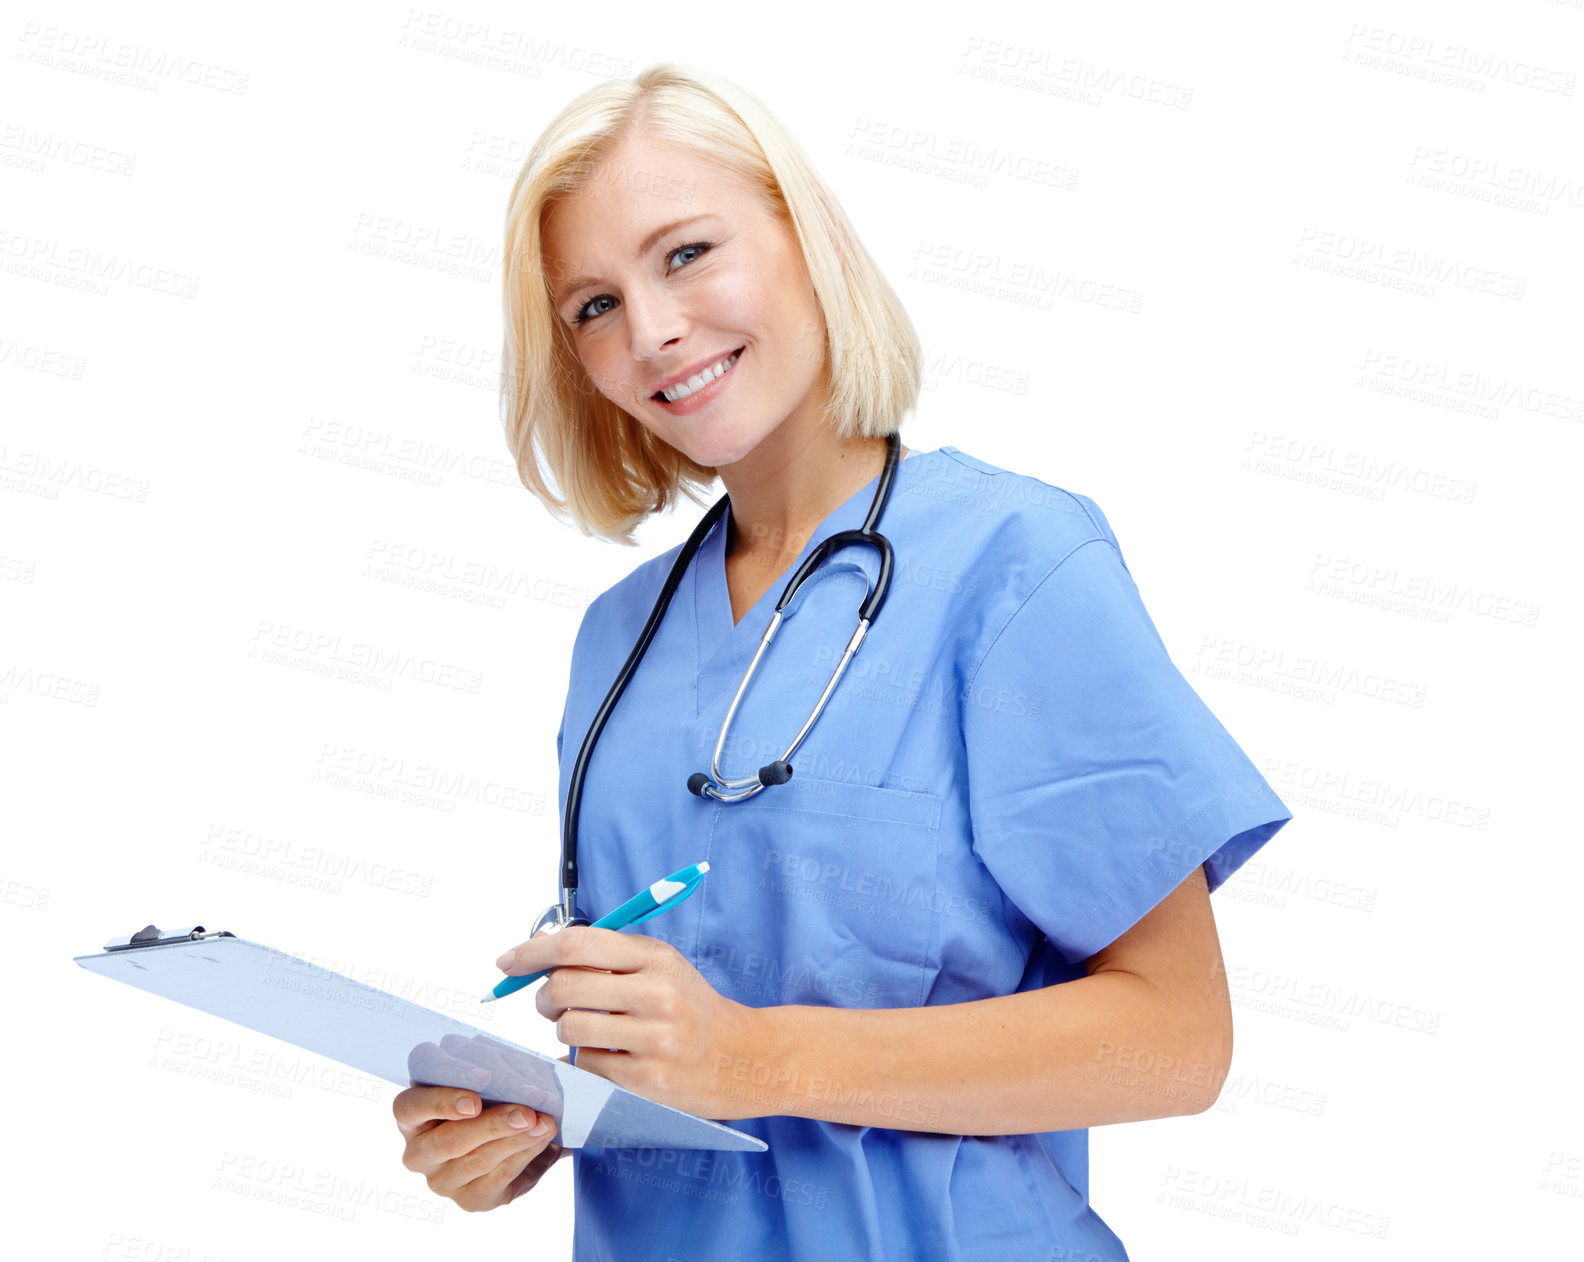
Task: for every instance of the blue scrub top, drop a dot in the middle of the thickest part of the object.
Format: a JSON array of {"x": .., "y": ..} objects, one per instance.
[{"x": 1010, "y": 775}]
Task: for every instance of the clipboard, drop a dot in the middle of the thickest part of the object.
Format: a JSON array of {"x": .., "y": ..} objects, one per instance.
[{"x": 393, "y": 1038}]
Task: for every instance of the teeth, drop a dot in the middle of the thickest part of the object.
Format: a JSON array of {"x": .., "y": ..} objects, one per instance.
[{"x": 698, "y": 382}]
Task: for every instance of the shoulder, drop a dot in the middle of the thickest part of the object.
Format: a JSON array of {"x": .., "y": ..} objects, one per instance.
[
  {"x": 1010, "y": 526},
  {"x": 1003, "y": 548}
]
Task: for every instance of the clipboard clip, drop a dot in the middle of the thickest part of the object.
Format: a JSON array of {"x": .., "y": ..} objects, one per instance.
[{"x": 149, "y": 936}]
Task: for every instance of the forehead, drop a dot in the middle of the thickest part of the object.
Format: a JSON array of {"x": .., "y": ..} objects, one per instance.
[
  {"x": 644, "y": 183},
  {"x": 649, "y": 165}
]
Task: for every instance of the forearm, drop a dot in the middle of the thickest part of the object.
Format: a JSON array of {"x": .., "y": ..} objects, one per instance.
[{"x": 1098, "y": 1049}]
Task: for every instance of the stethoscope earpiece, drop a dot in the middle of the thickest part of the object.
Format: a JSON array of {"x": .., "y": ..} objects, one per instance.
[{"x": 778, "y": 772}]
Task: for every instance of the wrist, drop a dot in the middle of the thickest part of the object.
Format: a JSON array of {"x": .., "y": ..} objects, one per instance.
[{"x": 749, "y": 1076}]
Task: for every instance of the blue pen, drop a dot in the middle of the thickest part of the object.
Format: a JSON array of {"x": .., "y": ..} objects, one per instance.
[{"x": 664, "y": 893}]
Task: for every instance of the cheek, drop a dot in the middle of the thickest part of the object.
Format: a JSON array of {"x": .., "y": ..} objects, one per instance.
[
  {"x": 729, "y": 301},
  {"x": 607, "y": 377},
  {"x": 801, "y": 331}
]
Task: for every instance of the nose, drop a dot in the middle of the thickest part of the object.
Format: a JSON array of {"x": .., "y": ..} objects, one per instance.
[{"x": 654, "y": 322}]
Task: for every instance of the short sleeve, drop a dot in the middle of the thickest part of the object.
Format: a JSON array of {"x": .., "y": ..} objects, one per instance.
[{"x": 1097, "y": 777}]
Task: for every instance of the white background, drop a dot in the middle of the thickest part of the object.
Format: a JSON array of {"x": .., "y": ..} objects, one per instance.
[{"x": 250, "y": 433}]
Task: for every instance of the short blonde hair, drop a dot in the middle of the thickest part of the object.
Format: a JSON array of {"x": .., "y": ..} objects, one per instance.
[{"x": 609, "y": 471}]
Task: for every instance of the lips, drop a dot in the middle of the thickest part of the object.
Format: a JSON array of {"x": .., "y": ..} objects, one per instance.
[{"x": 698, "y": 377}]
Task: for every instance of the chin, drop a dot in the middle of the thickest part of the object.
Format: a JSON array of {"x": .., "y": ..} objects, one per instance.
[{"x": 720, "y": 451}]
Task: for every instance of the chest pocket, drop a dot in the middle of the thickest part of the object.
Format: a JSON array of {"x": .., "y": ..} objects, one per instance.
[{"x": 832, "y": 900}]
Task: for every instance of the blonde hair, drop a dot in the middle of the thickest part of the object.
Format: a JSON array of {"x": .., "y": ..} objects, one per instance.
[{"x": 610, "y": 472}]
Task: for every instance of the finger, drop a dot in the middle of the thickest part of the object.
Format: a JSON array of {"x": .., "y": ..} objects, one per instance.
[
  {"x": 537, "y": 1167},
  {"x": 473, "y": 1170},
  {"x": 533, "y": 1172},
  {"x": 483, "y": 1054},
  {"x": 510, "y": 958},
  {"x": 583, "y": 945},
  {"x": 581, "y": 1029},
  {"x": 431, "y": 1063},
  {"x": 430, "y": 1149},
  {"x": 489, "y": 1190},
  {"x": 586, "y": 988},
  {"x": 612, "y": 1066},
  {"x": 419, "y": 1108}
]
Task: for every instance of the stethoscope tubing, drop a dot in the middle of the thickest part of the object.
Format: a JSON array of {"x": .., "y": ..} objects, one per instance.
[
  {"x": 867, "y": 534},
  {"x": 574, "y": 803}
]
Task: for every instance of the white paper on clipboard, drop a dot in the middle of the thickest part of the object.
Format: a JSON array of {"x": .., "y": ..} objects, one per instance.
[{"x": 395, "y": 1039}]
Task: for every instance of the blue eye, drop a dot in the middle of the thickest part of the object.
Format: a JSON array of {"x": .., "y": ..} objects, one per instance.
[
  {"x": 583, "y": 312},
  {"x": 700, "y": 246}
]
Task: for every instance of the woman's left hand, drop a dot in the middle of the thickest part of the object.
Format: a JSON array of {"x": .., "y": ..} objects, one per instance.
[{"x": 643, "y": 1017}]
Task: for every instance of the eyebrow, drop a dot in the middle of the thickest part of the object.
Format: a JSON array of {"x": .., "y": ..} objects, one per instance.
[{"x": 644, "y": 247}]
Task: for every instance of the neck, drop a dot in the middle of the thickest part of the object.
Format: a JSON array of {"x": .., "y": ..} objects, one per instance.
[{"x": 788, "y": 485}]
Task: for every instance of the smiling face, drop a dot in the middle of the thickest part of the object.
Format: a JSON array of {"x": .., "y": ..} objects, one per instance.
[{"x": 656, "y": 290}]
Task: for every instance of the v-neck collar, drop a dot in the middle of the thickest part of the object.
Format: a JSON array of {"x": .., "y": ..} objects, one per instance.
[{"x": 724, "y": 647}]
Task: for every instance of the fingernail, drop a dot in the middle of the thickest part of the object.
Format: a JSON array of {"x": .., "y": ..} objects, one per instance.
[
  {"x": 505, "y": 961},
  {"x": 466, "y": 1105},
  {"x": 516, "y": 1119},
  {"x": 542, "y": 1127}
]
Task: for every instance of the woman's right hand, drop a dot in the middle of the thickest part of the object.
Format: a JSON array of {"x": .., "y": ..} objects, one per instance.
[{"x": 479, "y": 1159}]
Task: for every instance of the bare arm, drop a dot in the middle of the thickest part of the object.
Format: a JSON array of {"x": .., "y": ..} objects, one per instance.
[{"x": 1147, "y": 1033}]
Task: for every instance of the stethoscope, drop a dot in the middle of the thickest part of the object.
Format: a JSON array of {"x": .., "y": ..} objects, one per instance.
[{"x": 715, "y": 784}]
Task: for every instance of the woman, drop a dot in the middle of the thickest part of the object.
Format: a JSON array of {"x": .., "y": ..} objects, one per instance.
[{"x": 975, "y": 921}]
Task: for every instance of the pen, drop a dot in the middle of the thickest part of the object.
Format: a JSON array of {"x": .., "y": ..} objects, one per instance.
[{"x": 664, "y": 893}]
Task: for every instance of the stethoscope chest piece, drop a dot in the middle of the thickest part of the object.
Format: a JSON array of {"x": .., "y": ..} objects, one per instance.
[{"x": 555, "y": 918}]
